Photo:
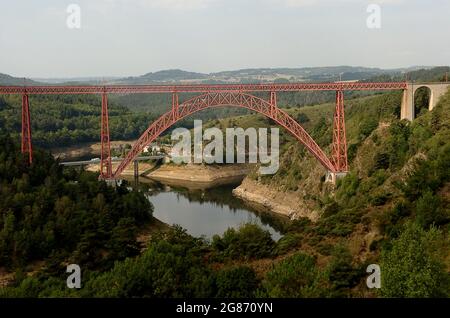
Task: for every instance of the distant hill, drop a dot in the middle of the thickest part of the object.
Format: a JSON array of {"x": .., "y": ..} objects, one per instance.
[
  {"x": 163, "y": 76},
  {"x": 434, "y": 74},
  {"x": 254, "y": 75},
  {"x": 6, "y": 79},
  {"x": 258, "y": 75}
]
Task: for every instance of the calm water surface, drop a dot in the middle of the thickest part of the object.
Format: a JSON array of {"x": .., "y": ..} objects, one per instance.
[{"x": 208, "y": 212}]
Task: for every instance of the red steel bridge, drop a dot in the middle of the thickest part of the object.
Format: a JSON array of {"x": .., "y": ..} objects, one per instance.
[{"x": 235, "y": 95}]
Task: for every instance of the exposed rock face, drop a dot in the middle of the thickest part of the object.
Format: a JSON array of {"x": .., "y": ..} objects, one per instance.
[{"x": 286, "y": 203}]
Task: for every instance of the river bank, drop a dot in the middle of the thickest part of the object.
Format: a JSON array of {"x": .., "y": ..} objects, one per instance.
[
  {"x": 195, "y": 176},
  {"x": 129, "y": 171},
  {"x": 198, "y": 176},
  {"x": 288, "y": 204},
  {"x": 87, "y": 150}
]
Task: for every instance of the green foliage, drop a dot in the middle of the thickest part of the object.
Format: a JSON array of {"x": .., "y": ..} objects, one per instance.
[
  {"x": 421, "y": 100},
  {"x": 413, "y": 267},
  {"x": 70, "y": 119},
  {"x": 391, "y": 221},
  {"x": 339, "y": 224},
  {"x": 168, "y": 268},
  {"x": 302, "y": 118},
  {"x": 238, "y": 282},
  {"x": 397, "y": 143},
  {"x": 295, "y": 277},
  {"x": 301, "y": 224},
  {"x": 366, "y": 127},
  {"x": 330, "y": 209},
  {"x": 341, "y": 273},
  {"x": 428, "y": 175},
  {"x": 381, "y": 160},
  {"x": 347, "y": 186},
  {"x": 249, "y": 241},
  {"x": 288, "y": 242},
  {"x": 46, "y": 213},
  {"x": 430, "y": 211}
]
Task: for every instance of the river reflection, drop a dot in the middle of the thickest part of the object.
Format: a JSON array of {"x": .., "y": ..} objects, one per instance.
[{"x": 207, "y": 212}]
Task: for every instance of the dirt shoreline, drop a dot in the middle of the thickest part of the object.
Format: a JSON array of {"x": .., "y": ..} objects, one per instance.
[
  {"x": 196, "y": 176},
  {"x": 85, "y": 149},
  {"x": 285, "y": 203}
]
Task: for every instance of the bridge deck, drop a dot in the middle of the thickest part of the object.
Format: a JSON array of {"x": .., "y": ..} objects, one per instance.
[{"x": 201, "y": 88}]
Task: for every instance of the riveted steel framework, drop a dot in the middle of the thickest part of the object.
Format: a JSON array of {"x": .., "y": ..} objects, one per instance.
[
  {"x": 216, "y": 99},
  {"x": 26, "y": 128},
  {"x": 199, "y": 88},
  {"x": 211, "y": 96},
  {"x": 105, "y": 163},
  {"x": 339, "y": 147}
]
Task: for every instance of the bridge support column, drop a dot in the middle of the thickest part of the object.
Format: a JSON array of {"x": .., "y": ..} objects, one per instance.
[
  {"x": 339, "y": 148},
  {"x": 407, "y": 106},
  {"x": 175, "y": 105},
  {"x": 105, "y": 163},
  {"x": 136, "y": 171},
  {"x": 332, "y": 177},
  {"x": 26, "y": 128},
  {"x": 273, "y": 103}
]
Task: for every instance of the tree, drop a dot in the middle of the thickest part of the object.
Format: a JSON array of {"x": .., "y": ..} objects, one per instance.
[
  {"x": 413, "y": 267},
  {"x": 238, "y": 282},
  {"x": 295, "y": 277},
  {"x": 429, "y": 211},
  {"x": 250, "y": 241}
]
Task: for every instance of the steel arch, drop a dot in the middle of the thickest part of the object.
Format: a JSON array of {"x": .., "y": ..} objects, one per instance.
[{"x": 233, "y": 99}]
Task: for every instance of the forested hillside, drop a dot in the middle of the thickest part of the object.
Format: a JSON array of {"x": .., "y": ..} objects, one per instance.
[
  {"x": 70, "y": 119},
  {"x": 51, "y": 215},
  {"x": 393, "y": 207}
]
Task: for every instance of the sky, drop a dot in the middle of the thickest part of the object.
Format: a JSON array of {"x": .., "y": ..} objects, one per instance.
[{"x": 134, "y": 37}]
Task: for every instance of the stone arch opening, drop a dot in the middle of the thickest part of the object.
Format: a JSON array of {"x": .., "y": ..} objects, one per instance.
[{"x": 422, "y": 100}]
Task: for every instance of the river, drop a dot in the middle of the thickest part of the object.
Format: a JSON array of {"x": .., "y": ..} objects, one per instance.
[{"x": 207, "y": 212}]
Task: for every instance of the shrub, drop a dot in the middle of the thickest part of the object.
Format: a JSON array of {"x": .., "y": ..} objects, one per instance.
[
  {"x": 249, "y": 241},
  {"x": 238, "y": 282},
  {"x": 287, "y": 243},
  {"x": 302, "y": 118},
  {"x": 413, "y": 266},
  {"x": 301, "y": 224},
  {"x": 294, "y": 277},
  {"x": 429, "y": 211},
  {"x": 341, "y": 273}
]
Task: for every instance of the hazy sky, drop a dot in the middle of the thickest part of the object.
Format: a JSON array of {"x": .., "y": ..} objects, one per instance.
[{"x": 133, "y": 37}]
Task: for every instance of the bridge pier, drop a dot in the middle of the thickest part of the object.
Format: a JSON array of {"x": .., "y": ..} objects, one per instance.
[
  {"x": 136, "y": 169},
  {"x": 332, "y": 177},
  {"x": 105, "y": 158},
  {"x": 111, "y": 182},
  {"x": 26, "y": 128}
]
